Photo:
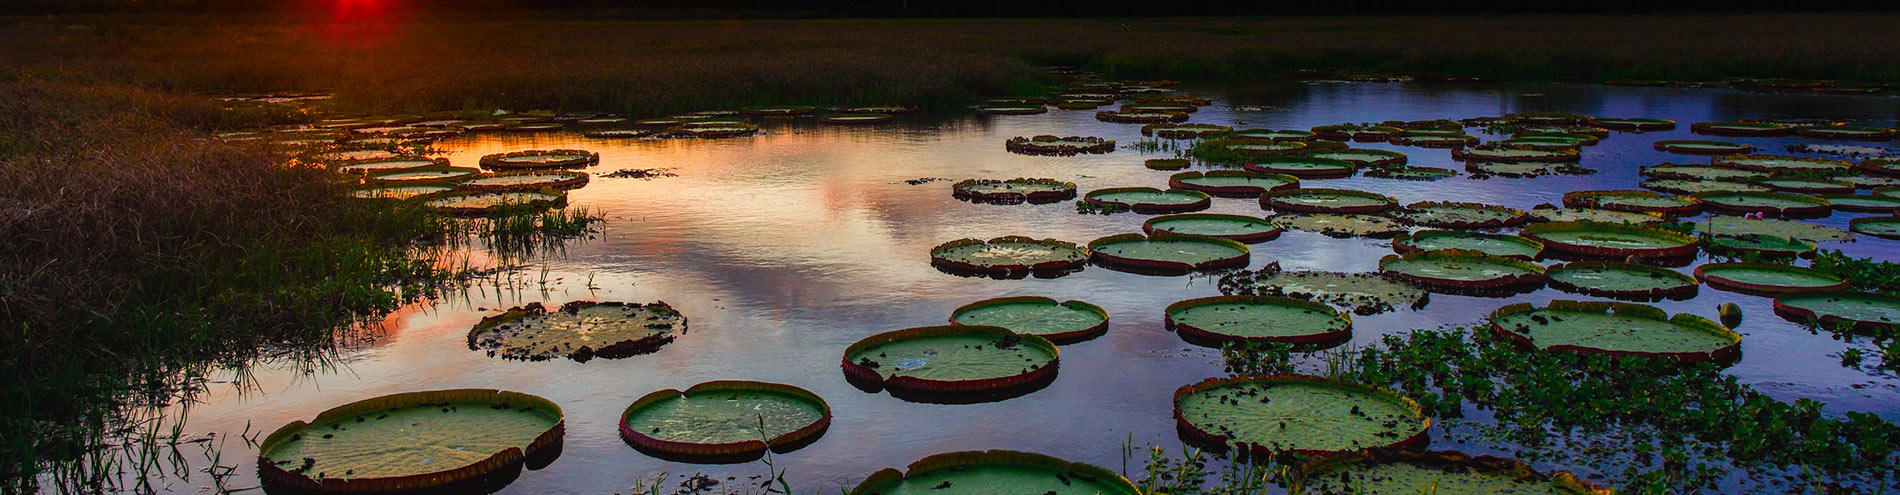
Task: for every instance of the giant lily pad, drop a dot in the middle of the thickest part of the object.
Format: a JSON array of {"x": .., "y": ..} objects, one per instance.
[
  {"x": 854, "y": 118},
  {"x": 1887, "y": 227},
  {"x": 1336, "y": 225},
  {"x": 1847, "y": 133},
  {"x": 1167, "y": 252},
  {"x": 1012, "y": 109},
  {"x": 1548, "y": 214},
  {"x": 1606, "y": 239},
  {"x": 1013, "y": 190},
  {"x": 1166, "y": 163},
  {"x": 1232, "y": 183},
  {"x": 1008, "y": 256},
  {"x": 485, "y": 202},
  {"x": 1766, "y": 203},
  {"x": 1185, "y": 131},
  {"x": 713, "y": 128},
  {"x": 1881, "y": 166},
  {"x": 1701, "y": 172},
  {"x": 1362, "y": 157},
  {"x": 1507, "y": 246},
  {"x": 541, "y": 159},
  {"x": 951, "y": 359},
  {"x": 1634, "y": 124},
  {"x": 1768, "y": 278},
  {"x": 1861, "y": 310},
  {"x": 1614, "y": 328},
  {"x": 1735, "y": 226},
  {"x": 1305, "y": 167},
  {"x": 727, "y": 420},
  {"x": 1807, "y": 186},
  {"x": 579, "y": 330},
  {"x": 1698, "y": 147},
  {"x": 1060, "y": 322},
  {"x": 1869, "y": 181},
  {"x": 411, "y": 441},
  {"x": 1236, "y": 227},
  {"x": 1295, "y": 413},
  {"x": 777, "y": 111},
  {"x": 1150, "y": 200},
  {"x": 1406, "y": 172},
  {"x": 1140, "y": 116},
  {"x": 526, "y": 180},
  {"x": 1321, "y": 200},
  {"x": 1688, "y": 186},
  {"x": 1750, "y": 129},
  {"x": 1638, "y": 201},
  {"x": 1272, "y": 135},
  {"x": 1432, "y": 139},
  {"x": 1863, "y": 203},
  {"x": 1785, "y": 164},
  {"x": 1496, "y": 154},
  {"x": 398, "y": 192},
  {"x": 1759, "y": 244},
  {"x": 420, "y": 176},
  {"x": 1453, "y": 215},
  {"x": 388, "y": 165},
  {"x": 1518, "y": 170},
  {"x": 1458, "y": 269},
  {"x": 1365, "y": 293},
  {"x": 1213, "y": 321},
  {"x": 1409, "y": 472},
  {"x": 1256, "y": 147},
  {"x": 993, "y": 472},
  {"x": 1621, "y": 280},
  {"x": 1057, "y": 145},
  {"x": 1356, "y": 132}
]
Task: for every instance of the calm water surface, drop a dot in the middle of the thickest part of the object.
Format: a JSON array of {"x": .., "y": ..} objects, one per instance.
[{"x": 786, "y": 247}]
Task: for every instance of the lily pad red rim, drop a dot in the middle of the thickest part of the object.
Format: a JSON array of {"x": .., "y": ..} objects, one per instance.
[
  {"x": 1634, "y": 124},
  {"x": 1058, "y": 338},
  {"x": 1872, "y": 134},
  {"x": 962, "y": 191},
  {"x": 1009, "y": 269},
  {"x": 570, "y": 180},
  {"x": 1731, "y": 285},
  {"x": 1477, "y": 154},
  {"x": 1677, "y": 292},
  {"x": 1200, "y": 336},
  {"x": 1403, "y": 243},
  {"x": 956, "y": 387},
  {"x": 1881, "y": 166},
  {"x": 1731, "y": 161},
  {"x": 1893, "y": 205},
  {"x": 1040, "y": 145},
  {"x": 580, "y": 158},
  {"x": 1518, "y": 217},
  {"x": 1812, "y": 207},
  {"x": 1686, "y": 243},
  {"x": 1206, "y": 438},
  {"x": 1391, "y": 157},
  {"x": 1593, "y": 199},
  {"x": 1715, "y": 244},
  {"x": 1203, "y": 202},
  {"x": 1355, "y": 132},
  {"x": 957, "y": 460},
  {"x": 1802, "y": 315},
  {"x": 1272, "y": 233},
  {"x": 1166, "y": 163},
  {"x": 545, "y": 442},
  {"x": 1721, "y": 354},
  {"x": 1181, "y": 181},
  {"x": 784, "y": 442},
  {"x": 1335, "y": 168},
  {"x": 1319, "y": 467},
  {"x": 1534, "y": 277},
  {"x": 1271, "y": 200},
  {"x": 1701, "y": 147},
  {"x": 554, "y": 199},
  {"x": 1855, "y": 224},
  {"x": 1167, "y": 266},
  {"x": 1741, "y": 129}
]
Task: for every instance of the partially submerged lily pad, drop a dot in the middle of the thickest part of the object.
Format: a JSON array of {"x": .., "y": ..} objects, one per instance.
[
  {"x": 420, "y": 176},
  {"x": 1768, "y": 278},
  {"x": 411, "y": 441},
  {"x": 1267, "y": 416},
  {"x": 1060, "y": 322},
  {"x": 1213, "y": 321},
  {"x": 1634, "y": 124},
  {"x": 1365, "y": 293},
  {"x": 1807, "y": 186},
  {"x": 993, "y": 472},
  {"x": 1773, "y": 164},
  {"x": 1454, "y": 215},
  {"x": 1739, "y": 128},
  {"x": 1863, "y": 203},
  {"x": 1887, "y": 227},
  {"x": 1305, "y": 167},
  {"x": 1607, "y": 239},
  {"x": 1150, "y": 200},
  {"x": 1614, "y": 328},
  {"x": 1166, "y": 163},
  {"x": 1409, "y": 472},
  {"x": 1762, "y": 245},
  {"x": 1362, "y": 157},
  {"x": 1701, "y": 172},
  {"x": 1140, "y": 116},
  {"x": 1017, "y": 190},
  {"x": 1734, "y": 226},
  {"x": 724, "y": 421},
  {"x": 579, "y": 330},
  {"x": 526, "y": 180},
  {"x": 1185, "y": 131},
  {"x": 1232, "y": 183},
  {"x": 1322, "y": 200},
  {"x": 399, "y": 192},
  {"x": 1503, "y": 154},
  {"x": 1235, "y": 227},
  {"x": 1406, "y": 172},
  {"x": 1480, "y": 170},
  {"x": 1008, "y": 256},
  {"x": 1638, "y": 201},
  {"x": 1686, "y": 186},
  {"x": 1766, "y": 203},
  {"x": 388, "y": 165},
  {"x": 1012, "y": 109},
  {"x": 1861, "y": 310},
  {"x": 1338, "y": 225},
  {"x": 1168, "y": 252},
  {"x": 1458, "y": 269},
  {"x": 541, "y": 159},
  {"x": 1548, "y": 214},
  {"x": 1621, "y": 280},
  {"x": 854, "y": 118},
  {"x": 951, "y": 359},
  {"x": 1508, "y": 246},
  {"x": 1699, "y": 147},
  {"x": 485, "y": 202},
  {"x": 1057, "y": 145}
]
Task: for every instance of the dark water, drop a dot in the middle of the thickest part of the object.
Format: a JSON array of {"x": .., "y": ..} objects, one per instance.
[{"x": 786, "y": 247}]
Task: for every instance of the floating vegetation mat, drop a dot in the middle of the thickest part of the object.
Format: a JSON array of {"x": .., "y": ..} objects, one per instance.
[
  {"x": 1338, "y": 225},
  {"x": 1686, "y": 186},
  {"x": 1766, "y": 203},
  {"x": 1305, "y": 167},
  {"x": 725, "y": 420},
  {"x": 1060, "y": 322},
  {"x": 1149, "y": 200},
  {"x": 1008, "y": 256},
  {"x": 1362, "y": 157},
  {"x": 579, "y": 330},
  {"x": 1365, "y": 293},
  {"x": 411, "y": 441},
  {"x": 1621, "y": 329},
  {"x": 1457, "y": 270},
  {"x": 1167, "y": 253},
  {"x": 1213, "y": 321},
  {"x": 387, "y": 165},
  {"x": 1736, "y": 226},
  {"x": 1056, "y": 145},
  {"x": 1699, "y": 147},
  {"x": 1621, "y": 280},
  {"x": 1768, "y": 278},
  {"x": 541, "y": 159},
  {"x": 1882, "y": 227},
  {"x": 995, "y": 472},
  {"x": 485, "y": 202},
  {"x": 1321, "y": 200},
  {"x": 1863, "y": 311},
  {"x": 1453, "y": 215},
  {"x": 1638, "y": 201},
  {"x": 1607, "y": 239},
  {"x": 1270, "y": 415},
  {"x": 1502, "y": 154},
  {"x": 1012, "y": 191},
  {"x": 1508, "y": 246},
  {"x": 1235, "y": 227},
  {"x": 525, "y": 181},
  {"x": 1522, "y": 170},
  {"x": 1747, "y": 129},
  {"x": 1634, "y": 124},
  {"x": 1402, "y": 172},
  {"x": 951, "y": 359},
  {"x": 1401, "y": 471},
  {"x": 1701, "y": 172},
  {"x": 1232, "y": 183},
  {"x": 1773, "y": 164},
  {"x": 1547, "y": 214}
]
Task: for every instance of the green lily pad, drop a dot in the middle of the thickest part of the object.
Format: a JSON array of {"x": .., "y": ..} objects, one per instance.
[
  {"x": 1864, "y": 203},
  {"x": 1523, "y": 169},
  {"x": 1140, "y": 116},
  {"x": 1741, "y": 129},
  {"x": 1606, "y": 239},
  {"x": 1686, "y": 186},
  {"x": 1869, "y": 182},
  {"x": 1008, "y": 255},
  {"x": 1232, "y": 183},
  {"x": 398, "y": 192},
  {"x": 723, "y": 419},
  {"x": 1294, "y": 413},
  {"x": 1060, "y": 322},
  {"x": 710, "y": 129},
  {"x": 1400, "y": 471},
  {"x": 993, "y": 472},
  {"x": 1635, "y": 124},
  {"x": 416, "y": 440},
  {"x": 1512, "y": 155},
  {"x": 1617, "y": 329},
  {"x": 1591, "y": 215},
  {"x": 1255, "y": 147},
  {"x": 1766, "y": 245},
  {"x": 541, "y": 159},
  {"x": 1847, "y": 133},
  {"x": 1639, "y": 201},
  {"x": 1452, "y": 215},
  {"x": 1770, "y": 203},
  {"x": 1013, "y": 190},
  {"x": 1882, "y": 227},
  {"x": 419, "y": 175},
  {"x": 1235, "y": 227},
  {"x": 1701, "y": 172},
  {"x": 1508, "y": 246},
  {"x": 1168, "y": 252},
  {"x": 1362, "y": 157},
  {"x": 1698, "y": 147},
  {"x": 357, "y": 155},
  {"x": 527, "y": 180},
  {"x": 951, "y": 359},
  {"x": 1403, "y": 172},
  {"x": 1305, "y": 167},
  {"x": 1185, "y": 131},
  {"x": 855, "y": 118},
  {"x": 1322, "y": 200},
  {"x": 1461, "y": 270},
  {"x": 1735, "y": 226},
  {"x": 1212, "y": 321},
  {"x": 1807, "y": 186},
  {"x": 1011, "y": 109},
  {"x": 1365, "y": 293},
  {"x": 579, "y": 330},
  {"x": 1863, "y": 311},
  {"x": 391, "y": 165},
  {"x": 1621, "y": 280},
  {"x": 1336, "y": 225},
  {"x": 1272, "y": 135},
  {"x": 1784, "y": 164},
  {"x": 770, "y": 111},
  {"x": 1356, "y": 132},
  {"x": 1150, "y": 200},
  {"x": 1432, "y": 139},
  {"x": 1166, "y": 163},
  {"x": 484, "y": 202},
  {"x": 1768, "y": 278},
  {"x": 1056, "y": 145}
]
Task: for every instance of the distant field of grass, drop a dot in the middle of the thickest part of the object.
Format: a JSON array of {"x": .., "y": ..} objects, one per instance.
[{"x": 655, "y": 67}]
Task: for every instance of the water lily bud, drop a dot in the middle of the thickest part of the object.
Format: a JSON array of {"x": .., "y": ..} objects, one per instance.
[{"x": 1731, "y": 314}]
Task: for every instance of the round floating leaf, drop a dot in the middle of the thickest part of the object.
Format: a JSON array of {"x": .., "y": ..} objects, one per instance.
[
  {"x": 579, "y": 330},
  {"x": 1606, "y": 239},
  {"x": 1614, "y": 328},
  {"x": 1259, "y": 148},
  {"x": 1499, "y": 154},
  {"x": 1847, "y": 133},
  {"x": 1863, "y": 311},
  {"x": 854, "y": 118},
  {"x": 1433, "y": 139},
  {"x": 1685, "y": 186},
  {"x": 1401, "y": 471},
  {"x": 1700, "y": 172},
  {"x": 712, "y": 129},
  {"x": 777, "y": 110},
  {"x": 1638, "y": 201},
  {"x": 1305, "y": 167},
  {"x": 398, "y": 192},
  {"x": 1235, "y": 227},
  {"x": 1140, "y": 116},
  {"x": 1321, "y": 200},
  {"x": 1508, "y": 246},
  {"x": 1150, "y": 200},
  {"x": 1547, "y": 214},
  {"x": 1735, "y": 226},
  {"x": 1461, "y": 270},
  {"x": 1523, "y": 169},
  {"x": 951, "y": 359},
  {"x": 1008, "y": 255},
  {"x": 1166, "y": 163},
  {"x": 1013, "y": 190},
  {"x": 1365, "y": 293},
  {"x": 411, "y": 441},
  {"x": 528, "y": 180},
  {"x": 1453, "y": 215},
  {"x": 1168, "y": 252},
  {"x": 1362, "y": 157},
  {"x": 1869, "y": 182},
  {"x": 394, "y": 164},
  {"x": 1232, "y": 183},
  {"x": 992, "y": 472},
  {"x": 1012, "y": 109},
  {"x": 1060, "y": 322},
  {"x": 1621, "y": 280},
  {"x": 1057, "y": 145},
  {"x": 1767, "y": 203},
  {"x": 1212, "y": 321},
  {"x": 1402, "y": 172},
  {"x": 1336, "y": 225},
  {"x": 725, "y": 420},
  {"x": 619, "y": 133},
  {"x": 420, "y": 175},
  {"x": 1697, "y": 147},
  {"x": 1882, "y": 227},
  {"x": 1356, "y": 132},
  {"x": 1272, "y": 135},
  {"x": 1807, "y": 186},
  {"x": 1879, "y": 166},
  {"x": 1635, "y": 124},
  {"x": 485, "y": 202},
  {"x": 1753, "y": 129},
  {"x": 1785, "y": 164},
  {"x": 1765, "y": 245},
  {"x": 1295, "y": 413},
  {"x": 1864, "y": 203},
  {"x": 1185, "y": 131},
  {"x": 541, "y": 159},
  {"x": 1768, "y": 278}
]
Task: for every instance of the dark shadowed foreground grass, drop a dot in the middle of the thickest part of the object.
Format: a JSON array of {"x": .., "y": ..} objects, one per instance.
[{"x": 533, "y": 61}]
